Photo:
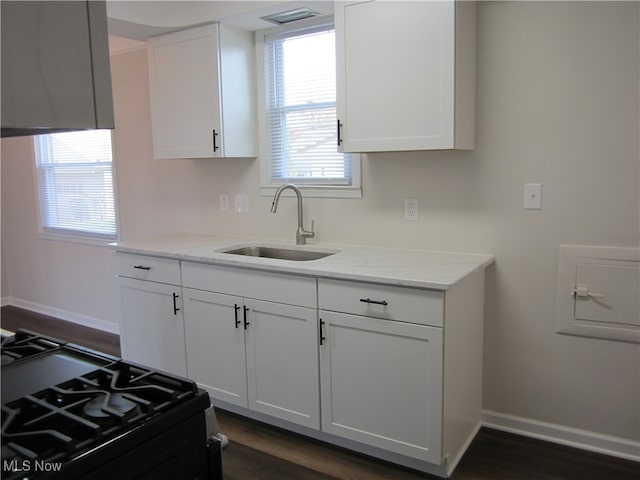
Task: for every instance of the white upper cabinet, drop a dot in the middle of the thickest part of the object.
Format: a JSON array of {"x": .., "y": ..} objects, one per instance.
[
  {"x": 202, "y": 93},
  {"x": 405, "y": 75}
]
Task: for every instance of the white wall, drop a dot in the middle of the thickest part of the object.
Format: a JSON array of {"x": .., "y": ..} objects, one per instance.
[{"x": 557, "y": 103}]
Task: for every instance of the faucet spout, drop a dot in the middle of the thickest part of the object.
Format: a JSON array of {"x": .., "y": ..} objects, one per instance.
[{"x": 301, "y": 233}]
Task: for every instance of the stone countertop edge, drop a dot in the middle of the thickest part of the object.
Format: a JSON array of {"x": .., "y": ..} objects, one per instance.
[{"x": 429, "y": 269}]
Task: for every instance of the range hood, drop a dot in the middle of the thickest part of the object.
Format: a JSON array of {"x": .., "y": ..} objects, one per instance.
[{"x": 55, "y": 67}]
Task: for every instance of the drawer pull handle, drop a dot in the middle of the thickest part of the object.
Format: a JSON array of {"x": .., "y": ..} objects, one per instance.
[
  {"x": 377, "y": 302},
  {"x": 141, "y": 267}
]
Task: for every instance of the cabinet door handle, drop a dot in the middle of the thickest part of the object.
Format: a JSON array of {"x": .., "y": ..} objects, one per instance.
[
  {"x": 142, "y": 267},
  {"x": 236, "y": 308},
  {"x": 215, "y": 134},
  {"x": 175, "y": 303},
  {"x": 322, "y": 337},
  {"x": 376, "y": 302},
  {"x": 339, "y": 137},
  {"x": 246, "y": 322}
]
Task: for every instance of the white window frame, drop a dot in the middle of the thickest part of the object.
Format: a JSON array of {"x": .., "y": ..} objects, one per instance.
[
  {"x": 267, "y": 186},
  {"x": 74, "y": 236}
]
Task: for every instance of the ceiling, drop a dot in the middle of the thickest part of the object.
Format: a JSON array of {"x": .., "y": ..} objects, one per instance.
[{"x": 141, "y": 19}]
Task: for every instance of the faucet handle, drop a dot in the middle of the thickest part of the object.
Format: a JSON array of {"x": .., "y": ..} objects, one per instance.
[{"x": 309, "y": 233}]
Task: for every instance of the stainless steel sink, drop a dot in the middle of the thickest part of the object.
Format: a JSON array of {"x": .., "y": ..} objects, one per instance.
[{"x": 280, "y": 253}]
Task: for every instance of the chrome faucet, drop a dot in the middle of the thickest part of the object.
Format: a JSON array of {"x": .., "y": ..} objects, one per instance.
[{"x": 301, "y": 233}]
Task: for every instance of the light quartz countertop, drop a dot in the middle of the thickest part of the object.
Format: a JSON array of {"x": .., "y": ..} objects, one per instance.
[{"x": 392, "y": 266}]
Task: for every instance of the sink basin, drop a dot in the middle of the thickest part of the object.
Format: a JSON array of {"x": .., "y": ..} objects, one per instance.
[{"x": 280, "y": 253}]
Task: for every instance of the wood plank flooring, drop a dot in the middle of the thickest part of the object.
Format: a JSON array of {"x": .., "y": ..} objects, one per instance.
[{"x": 261, "y": 452}]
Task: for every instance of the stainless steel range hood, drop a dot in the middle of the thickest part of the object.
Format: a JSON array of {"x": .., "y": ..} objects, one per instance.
[{"x": 55, "y": 67}]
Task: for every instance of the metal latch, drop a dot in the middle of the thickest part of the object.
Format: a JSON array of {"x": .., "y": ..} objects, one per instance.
[{"x": 581, "y": 290}]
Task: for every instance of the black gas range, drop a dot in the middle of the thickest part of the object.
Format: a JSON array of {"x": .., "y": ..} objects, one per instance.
[{"x": 72, "y": 413}]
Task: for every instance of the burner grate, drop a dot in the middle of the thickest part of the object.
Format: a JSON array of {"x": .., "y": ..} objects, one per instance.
[
  {"x": 86, "y": 411},
  {"x": 25, "y": 344}
]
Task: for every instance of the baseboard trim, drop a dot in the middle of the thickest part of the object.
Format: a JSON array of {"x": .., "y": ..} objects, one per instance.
[
  {"x": 563, "y": 435},
  {"x": 83, "y": 320}
]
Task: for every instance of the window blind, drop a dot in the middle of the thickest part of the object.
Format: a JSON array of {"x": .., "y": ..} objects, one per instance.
[
  {"x": 75, "y": 183},
  {"x": 301, "y": 91}
]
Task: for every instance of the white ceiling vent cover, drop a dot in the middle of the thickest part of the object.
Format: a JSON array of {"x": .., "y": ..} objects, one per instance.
[{"x": 290, "y": 15}]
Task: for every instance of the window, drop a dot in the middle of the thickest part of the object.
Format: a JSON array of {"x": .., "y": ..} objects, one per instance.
[
  {"x": 301, "y": 121},
  {"x": 75, "y": 183}
]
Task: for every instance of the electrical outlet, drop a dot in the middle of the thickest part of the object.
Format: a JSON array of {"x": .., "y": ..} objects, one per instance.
[
  {"x": 224, "y": 202},
  {"x": 411, "y": 209},
  {"x": 241, "y": 203}
]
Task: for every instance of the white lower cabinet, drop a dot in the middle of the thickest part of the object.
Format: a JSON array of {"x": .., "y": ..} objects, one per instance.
[
  {"x": 282, "y": 362},
  {"x": 152, "y": 325},
  {"x": 381, "y": 383},
  {"x": 249, "y": 352},
  {"x": 214, "y": 333},
  {"x": 386, "y": 370}
]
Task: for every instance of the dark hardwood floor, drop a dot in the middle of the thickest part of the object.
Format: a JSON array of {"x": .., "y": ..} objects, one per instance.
[{"x": 261, "y": 452}]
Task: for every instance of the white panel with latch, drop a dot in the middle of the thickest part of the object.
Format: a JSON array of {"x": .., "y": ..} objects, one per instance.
[{"x": 599, "y": 292}]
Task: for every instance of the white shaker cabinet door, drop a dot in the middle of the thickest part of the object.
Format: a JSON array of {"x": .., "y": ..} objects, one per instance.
[
  {"x": 185, "y": 102},
  {"x": 381, "y": 383},
  {"x": 282, "y": 362},
  {"x": 152, "y": 325},
  {"x": 202, "y": 93},
  {"x": 214, "y": 331},
  {"x": 405, "y": 75}
]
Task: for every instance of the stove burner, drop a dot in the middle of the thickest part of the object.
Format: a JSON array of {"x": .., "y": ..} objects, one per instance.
[
  {"x": 103, "y": 407},
  {"x": 66, "y": 405}
]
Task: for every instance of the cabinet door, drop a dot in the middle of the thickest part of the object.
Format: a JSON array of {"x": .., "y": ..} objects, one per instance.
[
  {"x": 282, "y": 362},
  {"x": 214, "y": 331},
  {"x": 152, "y": 325},
  {"x": 185, "y": 93},
  {"x": 381, "y": 383},
  {"x": 395, "y": 79}
]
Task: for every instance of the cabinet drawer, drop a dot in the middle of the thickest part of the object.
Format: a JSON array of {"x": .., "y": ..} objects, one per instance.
[
  {"x": 142, "y": 267},
  {"x": 425, "y": 307},
  {"x": 273, "y": 287}
]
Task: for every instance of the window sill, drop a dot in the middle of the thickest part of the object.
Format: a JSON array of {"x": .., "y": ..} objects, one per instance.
[
  {"x": 316, "y": 191},
  {"x": 84, "y": 240}
]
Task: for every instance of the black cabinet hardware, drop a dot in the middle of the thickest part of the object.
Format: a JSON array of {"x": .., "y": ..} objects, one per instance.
[
  {"x": 175, "y": 303},
  {"x": 246, "y": 322},
  {"x": 215, "y": 134},
  {"x": 141, "y": 267},
  {"x": 236, "y": 307},
  {"x": 322, "y": 337},
  {"x": 339, "y": 137},
  {"x": 376, "y": 302}
]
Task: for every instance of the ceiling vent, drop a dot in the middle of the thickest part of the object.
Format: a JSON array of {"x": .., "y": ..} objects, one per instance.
[{"x": 290, "y": 16}]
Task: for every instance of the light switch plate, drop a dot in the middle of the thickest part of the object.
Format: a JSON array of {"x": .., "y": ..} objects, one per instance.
[{"x": 533, "y": 196}]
